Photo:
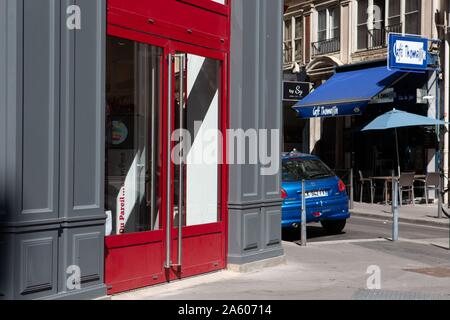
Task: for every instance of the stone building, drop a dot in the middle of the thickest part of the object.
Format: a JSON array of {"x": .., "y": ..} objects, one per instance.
[{"x": 325, "y": 36}]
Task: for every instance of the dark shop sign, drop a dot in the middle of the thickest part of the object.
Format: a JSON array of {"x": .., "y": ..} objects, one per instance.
[
  {"x": 332, "y": 111},
  {"x": 295, "y": 91}
]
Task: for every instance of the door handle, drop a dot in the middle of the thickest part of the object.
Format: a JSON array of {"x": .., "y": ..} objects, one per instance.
[
  {"x": 168, "y": 262},
  {"x": 181, "y": 175}
]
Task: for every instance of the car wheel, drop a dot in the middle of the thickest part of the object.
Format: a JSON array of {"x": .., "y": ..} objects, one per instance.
[{"x": 333, "y": 226}]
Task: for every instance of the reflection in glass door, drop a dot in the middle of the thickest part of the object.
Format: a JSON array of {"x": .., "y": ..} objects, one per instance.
[
  {"x": 133, "y": 162},
  {"x": 197, "y": 112},
  {"x": 195, "y": 213}
]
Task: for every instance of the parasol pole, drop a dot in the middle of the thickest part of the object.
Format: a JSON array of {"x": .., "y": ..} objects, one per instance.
[{"x": 398, "y": 156}]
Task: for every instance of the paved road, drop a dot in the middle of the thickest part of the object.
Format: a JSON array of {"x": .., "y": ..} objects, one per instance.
[
  {"x": 333, "y": 267},
  {"x": 362, "y": 228}
]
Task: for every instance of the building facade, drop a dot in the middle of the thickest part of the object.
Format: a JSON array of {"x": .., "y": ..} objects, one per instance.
[
  {"x": 333, "y": 35},
  {"x": 91, "y": 95}
]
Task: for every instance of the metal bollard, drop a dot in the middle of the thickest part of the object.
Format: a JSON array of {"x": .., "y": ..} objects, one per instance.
[
  {"x": 351, "y": 189},
  {"x": 394, "y": 208},
  {"x": 303, "y": 217},
  {"x": 440, "y": 198}
]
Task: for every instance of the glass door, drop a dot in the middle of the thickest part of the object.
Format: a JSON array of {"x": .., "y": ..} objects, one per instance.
[
  {"x": 133, "y": 137},
  {"x": 196, "y": 236},
  {"x": 134, "y": 241},
  {"x": 164, "y": 190},
  {"x": 197, "y": 114}
]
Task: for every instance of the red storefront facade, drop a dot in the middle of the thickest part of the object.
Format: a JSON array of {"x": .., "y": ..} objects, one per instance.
[{"x": 183, "y": 47}]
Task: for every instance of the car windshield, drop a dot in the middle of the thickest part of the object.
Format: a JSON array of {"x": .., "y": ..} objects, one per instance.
[{"x": 305, "y": 169}]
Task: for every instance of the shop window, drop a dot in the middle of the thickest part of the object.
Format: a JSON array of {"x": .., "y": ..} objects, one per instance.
[{"x": 133, "y": 148}]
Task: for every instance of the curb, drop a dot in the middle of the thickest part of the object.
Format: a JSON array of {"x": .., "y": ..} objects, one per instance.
[
  {"x": 257, "y": 265},
  {"x": 444, "y": 223}
]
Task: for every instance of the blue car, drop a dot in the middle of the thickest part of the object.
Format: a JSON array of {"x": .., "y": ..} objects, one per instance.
[{"x": 326, "y": 195}]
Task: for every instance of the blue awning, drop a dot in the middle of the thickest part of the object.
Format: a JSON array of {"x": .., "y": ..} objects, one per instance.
[{"x": 346, "y": 93}]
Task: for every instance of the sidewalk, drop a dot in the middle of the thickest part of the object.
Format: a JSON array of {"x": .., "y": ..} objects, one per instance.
[
  {"x": 418, "y": 214},
  {"x": 333, "y": 270}
]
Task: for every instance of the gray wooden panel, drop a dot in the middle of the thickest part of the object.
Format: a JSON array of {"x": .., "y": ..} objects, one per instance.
[
  {"x": 13, "y": 99},
  {"x": 3, "y": 90},
  {"x": 244, "y": 94},
  {"x": 271, "y": 115},
  {"x": 10, "y": 112},
  {"x": 251, "y": 229},
  {"x": 255, "y": 102},
  {"x": 256, "y": 72},
  {"x": 83, "y": 113},
  {"x": 40, "y": 109},
  {"x": 234, "y": 233},
  {"x": 272, "y": 223},
  {"x": 5, "y": 267},
  {"x": 38, "y": 86},
  {"x": 67, "y": 112},
  {"x": 87, "y": 249},
  {"x": 249, "y": 114},
  {"x": 82, "y": 247},
  {"x": 36, "y": 256}
]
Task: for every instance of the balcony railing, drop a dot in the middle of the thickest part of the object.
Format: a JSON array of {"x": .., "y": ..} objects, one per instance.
[
  {"x": 326, "y": 46},
  {"x": 395, "y": 28},
  {"x": 378, "y": 38}
]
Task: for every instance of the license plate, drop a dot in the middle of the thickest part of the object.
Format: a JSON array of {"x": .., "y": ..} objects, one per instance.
[{"x": 316, "y": 194}]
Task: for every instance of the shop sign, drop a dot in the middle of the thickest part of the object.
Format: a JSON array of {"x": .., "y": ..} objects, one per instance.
[
  {"x": 295, "y": 91},
  {"x": 408, "y": 96},
  {"x": 386, "y": 96},
  {"x": 407, "y": 52},
  {"x": 332, "y": 111}
]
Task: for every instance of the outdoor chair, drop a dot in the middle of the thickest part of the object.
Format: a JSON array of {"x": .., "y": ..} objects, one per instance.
[
  {"x": 406, "y": 184},
  {"x": 363, "y": 181},
  {"x": 431, "y": 182}
]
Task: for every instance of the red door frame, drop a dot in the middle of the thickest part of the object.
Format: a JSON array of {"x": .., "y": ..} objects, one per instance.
[{"x": 155, "y": 240}]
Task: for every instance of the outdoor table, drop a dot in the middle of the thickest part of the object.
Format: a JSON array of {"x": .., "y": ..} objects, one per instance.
[{"x": 388, "y": 180}]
